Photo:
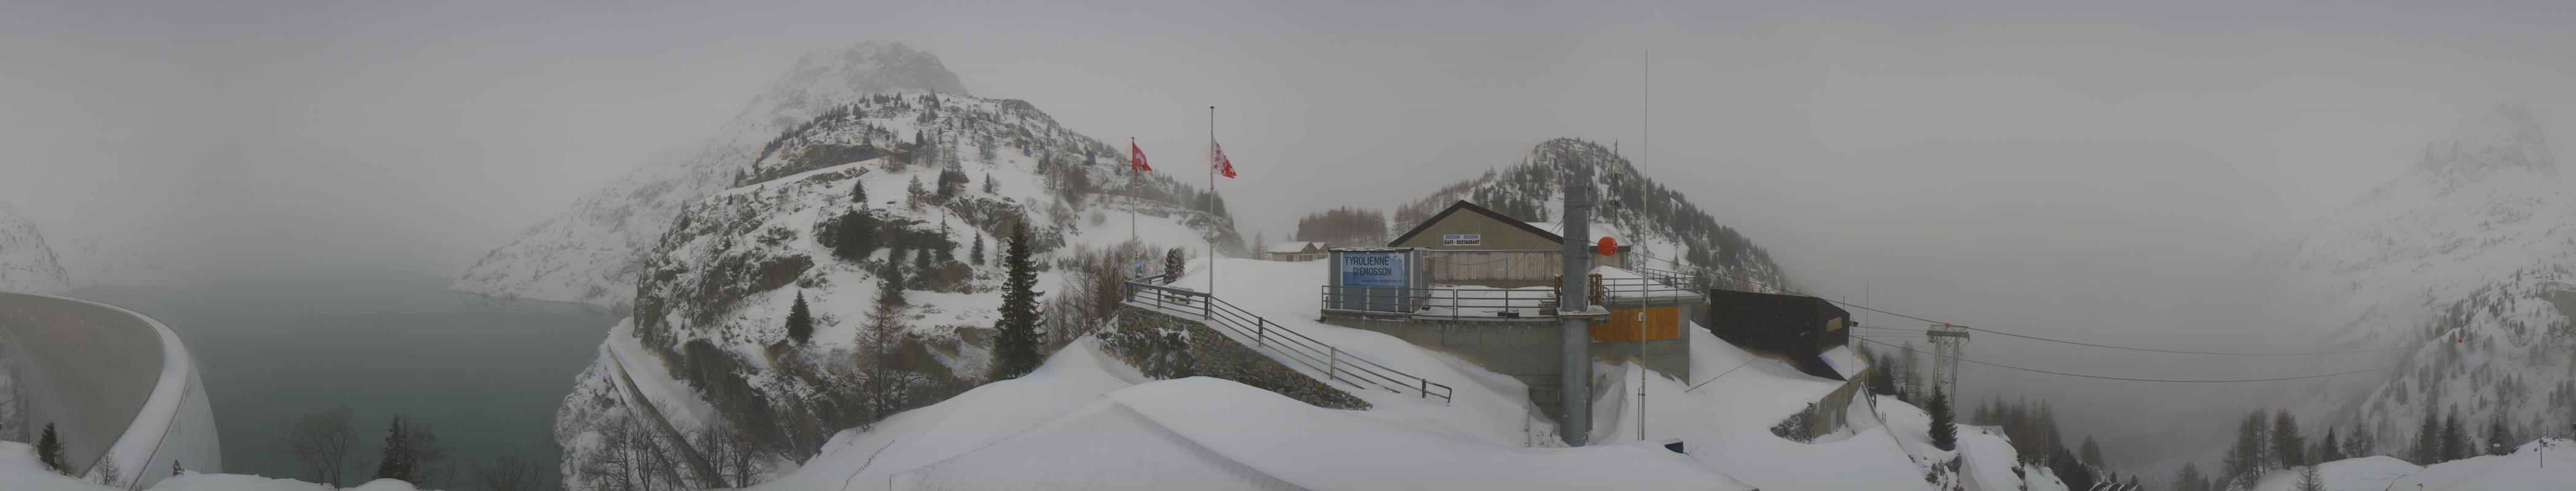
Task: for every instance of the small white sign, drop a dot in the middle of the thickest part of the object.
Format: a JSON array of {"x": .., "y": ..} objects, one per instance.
[{"x": 1462, "y": 239}]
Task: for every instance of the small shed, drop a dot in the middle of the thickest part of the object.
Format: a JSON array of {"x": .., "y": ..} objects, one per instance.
[
  {"x": 1798, "y": 327},
  {"x": 1297, "y": 251}
]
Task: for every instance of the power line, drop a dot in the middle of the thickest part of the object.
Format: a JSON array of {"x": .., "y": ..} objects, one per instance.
[
  {"x": 1864, "y": 338},
  {"x": 2024, "y": 336},
  {"x": 2035, "y": 370}
]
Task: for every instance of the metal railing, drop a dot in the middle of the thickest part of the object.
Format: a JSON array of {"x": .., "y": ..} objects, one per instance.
[
  {"x": 1460, "y": 302},
  {"x": 1285, "y": 344}
]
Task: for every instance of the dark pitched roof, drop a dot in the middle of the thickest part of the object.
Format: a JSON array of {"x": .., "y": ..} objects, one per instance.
[{"x": 1464, "y": 205}]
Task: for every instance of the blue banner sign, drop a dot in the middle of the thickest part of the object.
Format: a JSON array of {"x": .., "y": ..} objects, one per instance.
[{"x": 1374, "y": 269}]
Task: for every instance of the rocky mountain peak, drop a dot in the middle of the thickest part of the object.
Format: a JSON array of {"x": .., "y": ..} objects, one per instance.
[
  {"x": 2505, "y": 138},
  {"x": 835, "y": 76}
]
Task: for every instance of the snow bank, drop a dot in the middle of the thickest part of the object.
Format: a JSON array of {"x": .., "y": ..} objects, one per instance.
[
  {"x": 2374, "y": 473},
  {"x": 1238, "y": 437}
]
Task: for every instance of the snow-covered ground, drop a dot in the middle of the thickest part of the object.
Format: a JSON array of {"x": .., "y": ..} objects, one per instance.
[
  {"x": 1085, "y": 420},
  {"x": 2521, "y": 470}
]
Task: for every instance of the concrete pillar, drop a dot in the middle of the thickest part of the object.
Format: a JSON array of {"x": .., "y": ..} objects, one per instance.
[{"x": 1575, "y": 390}]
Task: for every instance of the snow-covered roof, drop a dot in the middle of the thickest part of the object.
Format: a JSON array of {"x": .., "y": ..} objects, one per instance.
[
  {"x": 1289, "y": 247},
  {"x": 1844, "y": 361}
]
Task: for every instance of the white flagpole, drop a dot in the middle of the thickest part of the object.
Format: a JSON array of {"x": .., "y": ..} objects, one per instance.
[{"x": 1211, "y": 202}]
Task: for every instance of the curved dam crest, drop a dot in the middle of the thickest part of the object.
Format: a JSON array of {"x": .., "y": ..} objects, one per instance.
[{"x": 119, "y": 387}]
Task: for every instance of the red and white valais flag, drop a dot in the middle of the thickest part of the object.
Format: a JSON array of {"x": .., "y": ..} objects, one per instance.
[
  {"x": 1136, "y": 158},
  {"x": 1223, "y": 166}
]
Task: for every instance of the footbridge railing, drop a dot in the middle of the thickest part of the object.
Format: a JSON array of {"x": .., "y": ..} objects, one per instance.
[{"x": 1292, "y": 346}]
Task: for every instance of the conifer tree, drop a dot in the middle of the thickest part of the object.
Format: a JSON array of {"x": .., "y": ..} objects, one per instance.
[
  {"x": 1015, "y": 347},
  {"x": 859, "y": 192},
  {"x": 2330, "y": 450},
  {"x": 1173, "y": 265},
  {"x": 2500, "y": 435},
  {"x": 1945, "y": 431},
  {"x": 800, "y": 321},
  {"x": 978, "y": 255},
  {"x": 49, "y": 450},
  {"x": 2455, "y": 438},
  {"x": 2428, "y": 438},
  {"x": 989, "y": 186},
  {"x": 2091, "y": 452},
  {"x": 397, "y": 456}
]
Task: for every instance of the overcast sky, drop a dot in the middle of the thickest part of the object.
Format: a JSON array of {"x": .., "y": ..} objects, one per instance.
[{"x": 2091, "y": 170}]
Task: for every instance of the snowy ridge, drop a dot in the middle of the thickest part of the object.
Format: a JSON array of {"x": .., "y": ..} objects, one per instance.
[
  {"x": 591, "y": 252},
  {"x": 2470, "y": 258}
]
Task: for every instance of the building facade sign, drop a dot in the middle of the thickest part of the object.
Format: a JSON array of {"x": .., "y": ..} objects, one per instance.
[
  {"x": 1379, "y": 280},
  {"x": 1374, "y": 269},
  {"x": 1462, "y": 239}
]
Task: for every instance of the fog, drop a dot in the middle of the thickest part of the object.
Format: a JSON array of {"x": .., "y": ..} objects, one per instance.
[{"x": 2098, "y": 172}]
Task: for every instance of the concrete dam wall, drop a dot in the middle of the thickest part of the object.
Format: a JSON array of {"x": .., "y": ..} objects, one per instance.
[{"x": 117, "y": 386}]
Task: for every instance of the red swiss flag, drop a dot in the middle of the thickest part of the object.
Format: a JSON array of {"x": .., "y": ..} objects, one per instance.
[
  {"x": 1136, "y": 159},
  {"x": 1223, "y": 166}
]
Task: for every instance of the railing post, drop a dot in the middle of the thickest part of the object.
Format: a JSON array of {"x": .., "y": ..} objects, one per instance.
[
  {"x": 1333, "y": 362},
  {"x": 1454, "y": 306},
  {"x": 1207, "y": 307},
  {"x": 1261, "y": 334}
]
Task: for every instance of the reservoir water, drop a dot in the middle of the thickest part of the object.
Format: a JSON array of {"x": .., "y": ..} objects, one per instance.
[{"x": 486, "y": 373}]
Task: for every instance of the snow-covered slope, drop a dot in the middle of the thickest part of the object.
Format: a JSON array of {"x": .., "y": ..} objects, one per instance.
[
  {"x": 592, "y": 252},
  {"x": 2522, "y": 469},
  {"x": 945, "y": 178},
  {"x": 1659, "y": 221},
  {"x": 27, "y": 260},
  {"x": 1088, "y": 421},
  {"x": 2470, "y": 260}
]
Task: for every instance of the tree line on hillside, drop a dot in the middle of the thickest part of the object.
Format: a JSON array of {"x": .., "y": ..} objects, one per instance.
[
  {"x": 1344, "y": 227},
  {"x": 2269, "y": 440},
  {"x": 2030, "y": 427},
  {"x": 326, "y": 448}
]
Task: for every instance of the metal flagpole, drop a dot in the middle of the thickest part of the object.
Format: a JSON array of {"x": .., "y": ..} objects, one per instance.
[
  {"x": 1131, "y": 188},
  {"x": 1647, "y": 222},
  {"x": 1211, "y": 201}
]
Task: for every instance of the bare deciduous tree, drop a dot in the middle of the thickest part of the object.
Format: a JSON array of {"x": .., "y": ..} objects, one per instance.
[
  {"x": 509, "y": 472},
  {"x": 322, "y": 442}
]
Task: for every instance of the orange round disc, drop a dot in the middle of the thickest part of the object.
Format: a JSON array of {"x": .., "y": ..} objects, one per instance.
[{"x": 1609, "y": 245}]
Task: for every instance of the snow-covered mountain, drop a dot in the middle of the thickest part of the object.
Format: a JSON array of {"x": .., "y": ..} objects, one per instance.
[
  {"x": 1657, "y": 219},
  {"x": 592, "y": 252},
  {"x": 819, "y": 209},
  {"x": 27, "y": 259},
  {"x": 2470, "y": 260},
  {"x": 34, "y": 261}
]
